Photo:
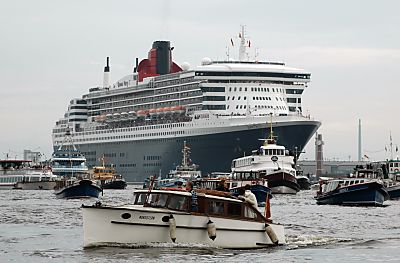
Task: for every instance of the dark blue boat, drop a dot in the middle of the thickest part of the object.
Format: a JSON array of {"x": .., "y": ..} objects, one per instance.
[
  {"x": 74, "y": 188},
  {"x": 260, "y": 191},
  {"x": 351, "y": 191}
]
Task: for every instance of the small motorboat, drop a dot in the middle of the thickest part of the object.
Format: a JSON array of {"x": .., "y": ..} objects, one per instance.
[
  {"x": 351, "y": 191},
  {"x": 77, "y": 188}
]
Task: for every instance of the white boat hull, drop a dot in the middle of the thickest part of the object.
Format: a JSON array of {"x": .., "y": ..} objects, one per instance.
[{"x": 105, "y": 226}]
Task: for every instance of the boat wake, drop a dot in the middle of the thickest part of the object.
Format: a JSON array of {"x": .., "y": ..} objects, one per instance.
[{"x": 303, "y": 241}]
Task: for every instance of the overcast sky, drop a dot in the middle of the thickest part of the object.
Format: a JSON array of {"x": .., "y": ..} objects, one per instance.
[{"x": 52, "y": 51}]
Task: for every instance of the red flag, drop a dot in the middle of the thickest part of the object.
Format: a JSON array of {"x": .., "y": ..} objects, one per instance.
[{"x": 232, "y": 42}]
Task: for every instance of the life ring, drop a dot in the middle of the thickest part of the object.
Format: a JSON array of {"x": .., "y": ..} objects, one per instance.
[{"x": 396, "y": 170}]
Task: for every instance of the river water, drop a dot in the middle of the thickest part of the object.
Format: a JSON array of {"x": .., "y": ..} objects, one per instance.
[{"x": 37, "y": 227}]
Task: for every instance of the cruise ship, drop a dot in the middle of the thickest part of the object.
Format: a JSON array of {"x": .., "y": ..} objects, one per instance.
[{"x": 220, "y": 108}]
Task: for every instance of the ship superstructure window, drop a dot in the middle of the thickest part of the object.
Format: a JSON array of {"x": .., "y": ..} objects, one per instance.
[
  {"x": 214, "y": 98},
  {"x": 294, "y": 91},
  {"x": 213, "y": 89},
  {"x": 214, "y": 107}
]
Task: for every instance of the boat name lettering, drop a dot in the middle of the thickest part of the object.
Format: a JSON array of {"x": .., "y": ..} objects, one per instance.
[{"x": 147, "y": 217}]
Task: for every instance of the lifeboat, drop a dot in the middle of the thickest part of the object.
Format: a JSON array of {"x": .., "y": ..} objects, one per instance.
[
  {"x": 167, "y": 110},
  {"x": 152, "y": 112},
  {"x": 109, "y": 117},
  {"x": 178, "y": 109},
  {"x": 141, "y": 114},
  {"x": 132, "y": 115},
  {"x": 100, "y": 118},
  {"x": 160, "y": 111},
  {"x": 116, "y": 115},
  {"x": 124, "y": 115}
]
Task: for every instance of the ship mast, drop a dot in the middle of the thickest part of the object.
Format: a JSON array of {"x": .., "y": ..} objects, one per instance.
[{"x": 242, "y": 47}]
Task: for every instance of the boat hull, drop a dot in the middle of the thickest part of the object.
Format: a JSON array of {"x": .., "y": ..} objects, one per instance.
[
  {"x": 393, "y": 191},
  {"x": 83, "y": 189},
  {"x": 304, "y": 183},
  {"x": 114, "y": 184},
  {"x": 136, "y": 160},
  {"x": 282, "y": 183},
  {"x": 105, "y": 226},
  {"x": 366, "y": 194},
  {"x": 42, "y": 185}
]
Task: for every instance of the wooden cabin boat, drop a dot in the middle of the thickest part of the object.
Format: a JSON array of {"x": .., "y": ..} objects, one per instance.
[{"x": 206, "y": 217}]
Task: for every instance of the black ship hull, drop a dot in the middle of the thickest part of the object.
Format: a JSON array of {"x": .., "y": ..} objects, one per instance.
[{"x": 136, "y": 160}]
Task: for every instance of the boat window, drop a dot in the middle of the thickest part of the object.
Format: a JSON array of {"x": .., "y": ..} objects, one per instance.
[
  {"x": 234, "y": 209},
  {"x": 351, "y": 182},
  {"x": 177, "y": 202},
  {"x": 157, "y": 200},
  {"x": 139, "y": 199},
  {"x": 346, "y": 183},
  {"x": 356, "y": 182},
  {"x": 216, "y": 207}
]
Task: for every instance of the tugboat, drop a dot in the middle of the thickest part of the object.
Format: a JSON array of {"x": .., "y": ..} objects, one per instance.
[
  {"x": 108, "y": 177},
  {"x": 187, "y": 170},
  {"x": 271, "y": 162},
  {"x": 205, "y": 217},
  {"x": 70, "y": 163}
]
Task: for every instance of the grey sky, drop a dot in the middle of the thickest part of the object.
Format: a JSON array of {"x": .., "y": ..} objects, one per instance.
[{"x": 53, "y": 51}]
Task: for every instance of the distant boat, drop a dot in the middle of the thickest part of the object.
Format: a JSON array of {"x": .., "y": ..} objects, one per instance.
[
  {"x": 77, "y": 188},
  {"x": 68, "y": 162},
  {"x": 351, "y": 191},
  {"x": 108, "y": 177},
  {"x": 187, "y": 170},
  {"x": 38, "y": 180},
  {"x": 19, "y": 174}
]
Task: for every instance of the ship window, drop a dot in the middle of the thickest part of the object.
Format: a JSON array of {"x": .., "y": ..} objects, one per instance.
[
  {"x": 240, "y": 89},
  {"x": 244, "y": 98},
  {"x": 251, "y": 89},
  {"x": 234, "y": 89},
  {"x": 245, "y": 89}
]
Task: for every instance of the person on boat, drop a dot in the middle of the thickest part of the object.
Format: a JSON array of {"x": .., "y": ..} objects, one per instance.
[
  {"x": 249, "y": 194},
  {"x": 190, "y": 188},
  {"x": 222, "y": 186},
  {"x": 248, "y": 199}
]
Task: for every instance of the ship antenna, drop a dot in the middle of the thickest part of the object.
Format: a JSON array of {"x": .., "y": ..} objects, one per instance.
[
  {"x": 270, "y": 139},
  {"x": 242, "y": 47},
  {"x": 391, "y": 147}
]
